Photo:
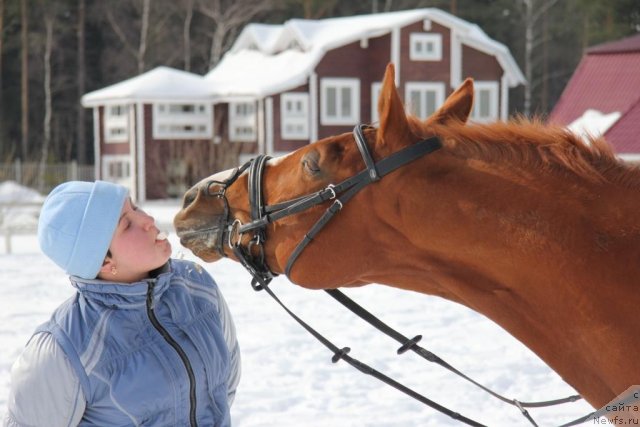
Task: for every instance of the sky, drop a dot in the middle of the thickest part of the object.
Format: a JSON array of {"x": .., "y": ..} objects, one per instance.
[{"x": 288, "y": 378}]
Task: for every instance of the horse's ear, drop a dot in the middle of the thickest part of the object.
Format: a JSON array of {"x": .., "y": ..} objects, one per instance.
[
  {"x": 394, "y": 126},
  {"x": 457, "y": 106}
]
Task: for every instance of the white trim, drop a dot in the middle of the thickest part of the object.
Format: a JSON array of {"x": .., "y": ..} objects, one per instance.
[
  {"x": 423, "y": 88},
  {"x": 294, "y": 126},
  {"x": 395, "y": 52},
  {"x": 492, "y": 87},
  {"x": 504, "y": 98},
  {"x": 338, "y": 84},
  {"x": 96, "y": 143},
  {"x": 456, "y": 60},
  {"x": 139, "y": 191},
  {"x": 313, "y": 107},
  {"x": 108, "y": 160},
  {"x": 422, "y": 41},
  {"x": 246, "y": 120},
  {"x": 376, "y": 87},
  {"x": 269, "y": 125},
  {"x": 118, "y": 121},
  {"x": 260, "y": 120},
  {"x": 180, "y": 124}
]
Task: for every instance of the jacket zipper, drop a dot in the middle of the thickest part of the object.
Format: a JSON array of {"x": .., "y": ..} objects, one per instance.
[{"x": 185, "y": 360}]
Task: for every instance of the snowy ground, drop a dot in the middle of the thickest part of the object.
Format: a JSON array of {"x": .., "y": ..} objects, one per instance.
[{"x": 288, "y": 379}]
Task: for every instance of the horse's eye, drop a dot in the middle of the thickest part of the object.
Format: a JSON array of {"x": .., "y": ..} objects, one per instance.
[{"x": 310, "y": 163}]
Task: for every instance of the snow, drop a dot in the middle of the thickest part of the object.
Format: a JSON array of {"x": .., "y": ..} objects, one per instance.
[
  {"x": 269, "y": 59},
  {"x": 593, "y": 123},
  {"x": 288, "y": 379},
  {"x": 160, "y": 84},
  {"x": 18, "y": 217}
]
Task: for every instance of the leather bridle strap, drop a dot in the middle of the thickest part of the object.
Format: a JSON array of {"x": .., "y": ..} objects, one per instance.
[
  {"x": 412, "y": 344},
  {"x": 342, "y": 354},
  {"x": 373, "y": 172}
]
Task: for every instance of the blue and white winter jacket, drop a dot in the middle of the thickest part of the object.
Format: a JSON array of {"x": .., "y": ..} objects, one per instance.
[{"x": 159, "y": 352}]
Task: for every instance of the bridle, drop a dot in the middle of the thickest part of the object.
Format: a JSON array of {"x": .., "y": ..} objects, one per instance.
[{"x": 252, "y": 257}]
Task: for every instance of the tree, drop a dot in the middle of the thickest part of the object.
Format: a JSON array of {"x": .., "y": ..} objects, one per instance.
[
  {"x": 534, "y": 11},
  {"x": 1, "y": 53},
  {"x": 186, "y": 34},
  {"x": 81, "y": 84},
  {"x": 139, "y": 51},
  {"x": 24, "y": 80},
  {"x": 48, "y": 21},
  {"x": 228, "y": 17}
]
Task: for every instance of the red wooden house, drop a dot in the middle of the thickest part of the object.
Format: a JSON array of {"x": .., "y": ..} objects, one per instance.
[
  {"x": 603, "y": 96},
  {"x": 283, "y": 86}
]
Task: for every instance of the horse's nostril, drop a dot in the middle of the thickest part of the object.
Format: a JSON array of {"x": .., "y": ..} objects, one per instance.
[{"x": 189, "y": 197}]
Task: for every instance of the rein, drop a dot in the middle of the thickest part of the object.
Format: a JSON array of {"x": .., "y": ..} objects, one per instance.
[{"x": 255, "y": 264}]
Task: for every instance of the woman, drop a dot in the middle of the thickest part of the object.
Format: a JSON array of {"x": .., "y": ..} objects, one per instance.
[{"x": 146, "y": 340}]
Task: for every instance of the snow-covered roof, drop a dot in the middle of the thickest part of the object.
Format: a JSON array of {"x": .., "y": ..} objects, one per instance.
[
  {"x": 267, "y": 59},
  {"x": 159, "y": 84}
]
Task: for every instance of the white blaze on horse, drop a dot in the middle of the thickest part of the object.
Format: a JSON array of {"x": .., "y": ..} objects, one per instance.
[{"x": 522, "y": 222}]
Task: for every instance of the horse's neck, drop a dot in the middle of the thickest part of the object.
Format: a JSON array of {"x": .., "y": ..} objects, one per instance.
[{"x": 552, "y": 270}]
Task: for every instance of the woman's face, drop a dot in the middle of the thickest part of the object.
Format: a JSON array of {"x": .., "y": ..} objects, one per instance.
[{"x": 136, "y": 247}]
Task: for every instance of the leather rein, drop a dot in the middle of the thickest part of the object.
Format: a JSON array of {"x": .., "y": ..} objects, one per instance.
[{"x": 253, "y": 259}]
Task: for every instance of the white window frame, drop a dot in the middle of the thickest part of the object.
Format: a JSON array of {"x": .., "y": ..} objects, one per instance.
[
  {"x": 418, "y": 47},
  {"x": 294, "y": 124},
  {"x": 481, "y": 89},
  {"x": 127, "y": 167},
  {"x": 376, "y": 87},
  {"x": 246, "y": 121},
  {"x": 116, "y": 123},
  {"x": 338, "y": 84},
  {"x": 182, "y": 120},
  {"x": 423, "y": 87}
]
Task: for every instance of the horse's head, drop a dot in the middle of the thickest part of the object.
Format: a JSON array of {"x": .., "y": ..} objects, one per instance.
[{"x": 204, "y": 224}]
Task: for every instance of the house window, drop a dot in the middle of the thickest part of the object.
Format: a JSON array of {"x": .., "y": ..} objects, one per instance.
[
  {"x": 423, "y": 99},
  {"x": 425, "y": 47},
  {"x": 375, "y": 96},
  {"x": 117, "y": 168},
  {"x": 340, "y": 101},
  {"x": 485, "y": 103},
  {"x": 242, "y": 121},
  {"x": 116, "y": 123},
  {"x": 182, "y": 121},
  {"x": 294, "y": 115}
]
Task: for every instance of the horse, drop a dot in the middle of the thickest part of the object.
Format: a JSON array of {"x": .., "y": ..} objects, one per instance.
[{"x": 521, "y": 221}]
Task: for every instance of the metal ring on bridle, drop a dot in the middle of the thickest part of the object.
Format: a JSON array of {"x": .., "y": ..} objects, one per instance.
[
  {"x": 233, "y": 229},
  {"x": 331, "y": 188}
]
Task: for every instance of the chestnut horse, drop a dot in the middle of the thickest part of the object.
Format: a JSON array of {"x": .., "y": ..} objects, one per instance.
[{"x": 524, "y": 223}]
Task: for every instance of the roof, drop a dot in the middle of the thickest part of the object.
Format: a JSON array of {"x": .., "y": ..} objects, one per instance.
[
  {"x": 625, "y": 133},
  {"x": 159, "y": 84},
  {"x": 267, "y": 59},
  {"x": 629, "y": 44},
  {"x": 606, "y": 80}
]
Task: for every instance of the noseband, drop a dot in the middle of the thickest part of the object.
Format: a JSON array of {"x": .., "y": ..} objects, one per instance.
[{"x": 252, "y": 256}]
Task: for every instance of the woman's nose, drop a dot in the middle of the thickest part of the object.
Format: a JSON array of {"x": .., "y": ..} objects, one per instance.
[{"x": 147, "y": 220}]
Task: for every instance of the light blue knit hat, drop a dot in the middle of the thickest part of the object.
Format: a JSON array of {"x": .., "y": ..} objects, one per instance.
[{"x": 77, "y": 222}]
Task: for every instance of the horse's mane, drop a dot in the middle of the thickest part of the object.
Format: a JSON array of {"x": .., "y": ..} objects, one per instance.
[{"x": 532, "y": 144}]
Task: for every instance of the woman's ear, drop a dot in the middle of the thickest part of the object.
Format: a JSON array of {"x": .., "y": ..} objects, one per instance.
[{"x": 108, "y": 266}]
